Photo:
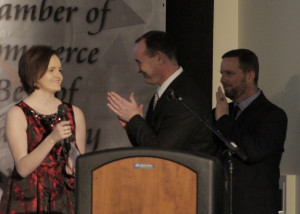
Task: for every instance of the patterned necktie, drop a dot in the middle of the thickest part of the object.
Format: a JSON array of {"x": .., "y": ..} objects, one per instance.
[
  {"x": 234, "y": 112},
  {"x": 156, "y": 97}
]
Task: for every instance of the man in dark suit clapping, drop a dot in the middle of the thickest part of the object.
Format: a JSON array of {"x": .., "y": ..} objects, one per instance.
[{"x": 168, "y": 123}]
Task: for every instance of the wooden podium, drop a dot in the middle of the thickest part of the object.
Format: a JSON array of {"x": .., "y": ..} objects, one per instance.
[{"x": 148, "y": 181}]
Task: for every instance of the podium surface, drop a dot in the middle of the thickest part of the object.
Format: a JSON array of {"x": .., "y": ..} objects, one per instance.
[{"x": 144, "y": 181}]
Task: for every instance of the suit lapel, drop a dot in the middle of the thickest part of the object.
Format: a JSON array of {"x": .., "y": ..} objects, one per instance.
[
  {"x": 253, "y": 107},
  {"x": 163, "y": 100},
  {"x": 150, "y": 109}
]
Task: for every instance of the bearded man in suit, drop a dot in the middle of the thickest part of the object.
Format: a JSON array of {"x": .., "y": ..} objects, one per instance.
[
  {"x": 168, "y": 123},
  {"x": 258, "y": 127}
]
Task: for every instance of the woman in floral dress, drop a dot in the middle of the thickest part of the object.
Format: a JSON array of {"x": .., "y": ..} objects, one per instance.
[{"x": 43, "y": 177}]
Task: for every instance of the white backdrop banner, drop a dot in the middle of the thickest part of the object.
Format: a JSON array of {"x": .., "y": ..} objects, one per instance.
[{"x": 95, "y": 39}]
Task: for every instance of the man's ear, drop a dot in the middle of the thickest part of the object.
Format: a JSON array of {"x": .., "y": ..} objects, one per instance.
[
  {"x": 161, "y": 57},
  {"x": 251, "y": 76}
]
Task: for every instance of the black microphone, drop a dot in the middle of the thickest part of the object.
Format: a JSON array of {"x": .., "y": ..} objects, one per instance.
[
  {"x": 232, "y": 146},
  {"x": 62, "y": 114},
  {"x": 173, "y": 95}
]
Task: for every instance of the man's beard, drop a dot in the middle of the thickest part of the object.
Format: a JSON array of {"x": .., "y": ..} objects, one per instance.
[{"x": 237, "y": 91}]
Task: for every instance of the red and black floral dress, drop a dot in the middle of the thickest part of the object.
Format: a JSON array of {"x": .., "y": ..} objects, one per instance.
[{"x": 48, "y": 189}]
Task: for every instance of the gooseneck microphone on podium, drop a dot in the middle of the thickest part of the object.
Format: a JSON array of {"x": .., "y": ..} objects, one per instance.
[
  {"x": 62, "y": 114},
  {"x": 232, "y": 147},
  {"x": 229, "y": 144}
]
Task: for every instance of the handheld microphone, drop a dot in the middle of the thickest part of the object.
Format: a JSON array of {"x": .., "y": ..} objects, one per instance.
[{"x": 62, "y": 114}]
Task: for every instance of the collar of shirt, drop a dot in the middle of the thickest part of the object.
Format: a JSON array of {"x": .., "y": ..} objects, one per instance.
[
  {"x": 245, "y": 103},
  {"x": 160, "y": 90}
]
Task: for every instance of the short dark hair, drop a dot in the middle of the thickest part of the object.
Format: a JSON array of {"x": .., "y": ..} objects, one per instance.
[
  {"x": 247, "y": 59},
  {"x": 33, "y": 65},
  {"x": 159, "y": 41}
]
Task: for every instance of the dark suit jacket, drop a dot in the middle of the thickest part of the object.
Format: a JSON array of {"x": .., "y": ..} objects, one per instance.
[
  {"x": 260, "y": 132},
  {"x": 171, "y": 125}
]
